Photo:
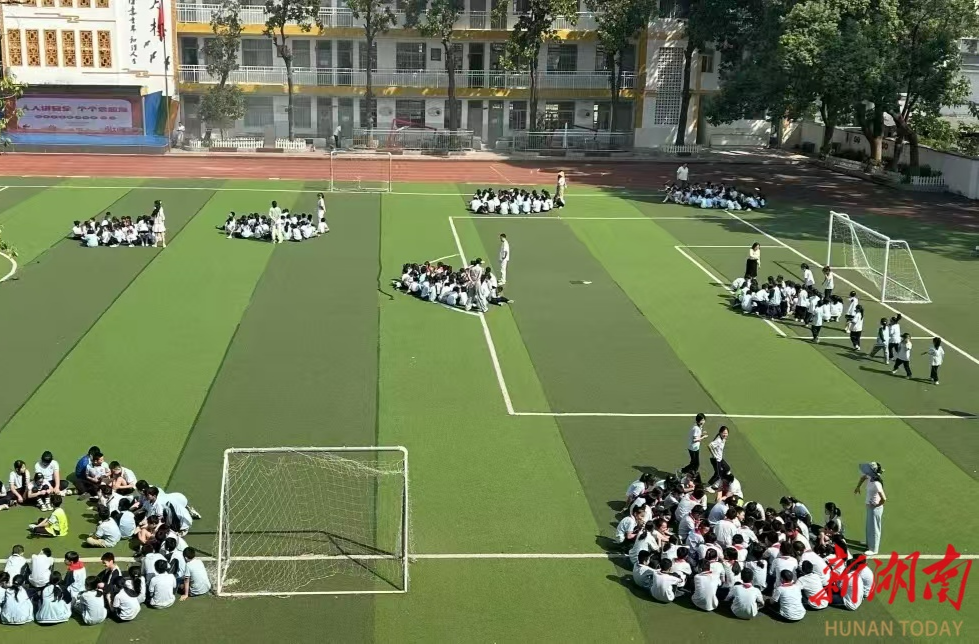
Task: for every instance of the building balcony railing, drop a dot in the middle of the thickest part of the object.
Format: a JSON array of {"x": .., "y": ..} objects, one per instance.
[
  {"x": 332, "y": 17},
  {"x": 339, "y": 77}
]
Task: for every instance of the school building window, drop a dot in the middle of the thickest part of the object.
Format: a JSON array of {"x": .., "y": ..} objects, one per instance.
[
  {"x": 410, "y": 56},
  {"x": 256, "y": 52},
  {"x": 300, "y": 53},
  {"x": 302, "y": 112},
  {"x": 88, "y": 49},
  {"x": 259, "y": 111},
  {"x": 518, "y": 115},
  {"x": 105, "y": 49},
  {"x": 707, "y": 61},
  {"x": 50, "y": 48},
  {"x": 68, "y": 48},
  {"x": 15, "y": 53},
  {"x": 362, "y": 52},
  {"x": 558, "y": 115},
  {"x": 365, "y": 119},
  {"x": 33, "y": 48},
  {"x": 411, "y": 112},
  {"x": 562, "y": 58}
]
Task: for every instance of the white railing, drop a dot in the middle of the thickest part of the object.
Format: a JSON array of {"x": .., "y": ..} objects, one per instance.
[
  {"x": 248, "y": 143},
  {"x": 414, "y": 139},
  {"x": 421, "y": 79},
  {"x": 572, "y": 140},
  {"x": 192, "y": 12},
  {"x": 681, "y": 150}
]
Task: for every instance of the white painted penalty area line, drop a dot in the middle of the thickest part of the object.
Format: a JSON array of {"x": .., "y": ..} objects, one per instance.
[
  {"x": 846, "y": 337},
  {"x": 13, "y": 267},
  {"x": 486, "y": 332},
  {"x": 742, "y": 246},
  {"x": 716, "y": 280},
  {"x": 3, "y": 188},
  {"x": 439, "y": 259},
  {"x": 778, "y": 241},
  {"x": 601, "y": 414},
  {"x": 543, "y": 217},
  {"x": 468, "y": 556}
]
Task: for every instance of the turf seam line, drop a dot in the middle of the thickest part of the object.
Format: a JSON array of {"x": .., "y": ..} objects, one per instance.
[
  {"x": 723, "y": 285},
  {"x": 855, "y": 287},
  {"x": 612, "y": 414},
  {"x": 494, "y": 358},
  {"x": 588, "y": 195},
  {"x": 71, "y": 349}
]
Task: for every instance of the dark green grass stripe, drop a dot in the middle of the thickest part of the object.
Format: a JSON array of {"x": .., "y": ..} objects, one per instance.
[
  {"x": 592, "y": 348},
  {"x": 62, "y": 294},
  {"x": 12, "y": 196}
]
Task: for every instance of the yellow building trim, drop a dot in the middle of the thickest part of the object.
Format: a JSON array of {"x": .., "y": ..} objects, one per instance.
[{"x": 416, "y": 92}]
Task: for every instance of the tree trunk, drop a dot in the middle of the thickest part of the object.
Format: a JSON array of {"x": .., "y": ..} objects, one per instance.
[
  {"x": 681, "y": 126},
  {"x": 895, "y": 159},
  {"x": 369, "y": 93},
  {"x": 872, "y": 127},
  {"x": 616, "y": 83},
  {"x": 534, "y": 64},
  {"x": 905, "y": 132},
  {"x": 829, "y": 127},
  {"x": 289, "y": 83},
  {"x": 450, "y": 68}
]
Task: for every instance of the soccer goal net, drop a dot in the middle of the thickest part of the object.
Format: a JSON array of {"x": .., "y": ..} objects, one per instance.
[
  {"x": 313, "y": 521},
  {"x": 887, "y": 263},
  {"x": 360, "y": 171}
]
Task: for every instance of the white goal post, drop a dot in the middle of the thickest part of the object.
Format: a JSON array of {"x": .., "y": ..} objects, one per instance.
[
  {"x": 313, "y": 521},
  {"x": 360, "y": 171},
  {"x": 885, "y": 262}
]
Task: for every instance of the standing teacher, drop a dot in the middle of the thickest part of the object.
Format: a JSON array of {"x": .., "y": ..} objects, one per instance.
[
  {"x": 751, "y": 264},
  {"x": 872, "y": 473},
  {"x": 562, "y": 183}
]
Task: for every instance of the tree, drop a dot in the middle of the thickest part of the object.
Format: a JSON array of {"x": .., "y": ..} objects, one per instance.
[
  {"x": 378, "y": 19},
  {"x": 223, "y": 104},
  {"x": 532, "y": 30},
  {"x": 439, "y": 22},
  {"x": 279, "y": 14},
  {"x": 619, "y": 23},
  {"x": 10, "y": 91},
  {"x": 699, "y": 29},
  {"x": 924, "y": 63}
]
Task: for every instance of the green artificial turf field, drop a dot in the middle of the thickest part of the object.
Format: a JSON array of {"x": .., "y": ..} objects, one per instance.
[{"x": 523, "y": 428}]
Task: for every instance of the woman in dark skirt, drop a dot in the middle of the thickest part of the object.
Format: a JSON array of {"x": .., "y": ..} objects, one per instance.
[{"x": 751, "y": 265}]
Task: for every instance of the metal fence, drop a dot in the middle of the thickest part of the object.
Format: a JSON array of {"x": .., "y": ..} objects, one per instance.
[
  {"x": 422, "y": 139},
  {"x": 248, "y": 143},
  {"x": 567, "y": 140}
]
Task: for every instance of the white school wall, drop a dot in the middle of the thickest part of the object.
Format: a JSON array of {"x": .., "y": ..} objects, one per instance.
[{"x": 961, "y": 173}]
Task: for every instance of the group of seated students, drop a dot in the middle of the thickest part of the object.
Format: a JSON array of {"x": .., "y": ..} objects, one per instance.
[
  {"x": 513, "y": 202},
  {"x": 742, "y": 554},
  {"x": 711, "y": 195},
  {"x": 114, "y": 231},
  {"x": 151, "y": 521},
  {"x": 776, "y": 298},
  {"x": 255, "y": 226},
  {"x": 473, "y": 286}
]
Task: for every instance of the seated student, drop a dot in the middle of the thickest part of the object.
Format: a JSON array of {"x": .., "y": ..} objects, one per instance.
[
  {"x": 107, "y": 533},
  {"x": 77, "y": 230},
  {"x": 90, "y": 605},
  {"x": 546, "y": 202},
  {"x": 195, "y": 581},
  {"x": 476, "y": 204},
  {"x": 17, "y": 605},
  {"x": 493, "y": 202},
  {"x": 665, "y": 583},
  {"x": 813, "y": 589},
  {"x": 16, "y": 562},
  {"x": 526, "y": 205},
  {"x": 297, "y": 233},
  {"x": 127, "y": 601},
  {"x": 74, "y": 580},
  {"x": 746, "y": 598},
  {"x": 787, "y": 597},
  {"x": 56, "y": 525},
  {"x": 850, "y": 591},
  {"x": 706, "y": 583},
  {"x": 95, "y": 471},
  {"x": 54, "y": 605},
  {"x": 451, "y": 296},
  {"x": 160, "y": 588},
  {"x": 90, "y": 239},
  {"x": 628, "y": 528},
  {"x": 642, "y": 573},
  {"x": 230, "y": 225},
  {"x": 42, "y": 564},
  {"x": 125, "y": 519},
  {"x": 505, "y": 207},
  {"x": 307, "y": 229}
]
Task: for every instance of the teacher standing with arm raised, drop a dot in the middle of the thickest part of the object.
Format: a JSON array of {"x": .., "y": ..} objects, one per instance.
[
  {"x": 872, "y": 473},
  {"x": 751, "y": 264}
]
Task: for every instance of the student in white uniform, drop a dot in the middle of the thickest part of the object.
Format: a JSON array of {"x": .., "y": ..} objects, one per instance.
[
  {"x": 705, "y": 585},
  {"x": 829, "y": 281},
  {"x": 881, "y": 343},
  {"x": 787, "y": 598},
  {"x": 17, "y": 605},
  {"x": 665, "y": 582},
  {"x": 693, "y": 445},
  {"x": 626, "y": 530},
  {"x": 275, "y": 215},
  {"x": 196, "y": 581},
  {"x": 855, "y": 324},
  {"x": 322, "y": 226},
  {"x": 504, "y": 257},
  {"x": 903, "y": 356},
  {"x": 717, "y": 461},
  {"x": 746, "y": 599},
  {"x": 875, "y": 499},
  {"x": 813, "y": 589},
  {"x": 816, "y": 323},
  {"x": 74, "y": 574},
  {"x": 41, "y": 566},
  {"x": 159, "y": 224},
  {"x": 936, "y": 356},
  {"x": 160, "y": 589},
  {"x": 894, "y": 336},
  {"x": 90, "y": 605},
  {"x": 808, "y": 281},
  {"x": 15, "y": 562},
  {"x": 54, "y": 605}
]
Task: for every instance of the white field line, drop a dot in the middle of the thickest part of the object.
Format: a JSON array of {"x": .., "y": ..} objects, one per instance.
[
  {"x": 13, "y": 267},
  {"x": 4, "y": 188},
  {"x": 846, "y": 337},
  {"x": 857, "y": 288},
  {"x": 486, "y": 332},
  {"x": 464, "y": 556},
  {"x": 778, "y": 330},
  {"x": 505, "y": 178},
  {"x": 439, "y": 259},
  {"x": 613, "y": 414},
  {"x": 689, "y": 246},
  {"x": 284, "y": 191},
  {"x": 543, "y": 217}
]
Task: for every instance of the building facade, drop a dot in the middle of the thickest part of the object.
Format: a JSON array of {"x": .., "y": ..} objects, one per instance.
[{"x": 114, "y": 43}]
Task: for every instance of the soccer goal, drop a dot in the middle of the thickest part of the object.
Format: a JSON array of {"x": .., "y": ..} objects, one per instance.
[
  {"x": 887, "y": 263},
  {"x": 313, "y": 521},
  {"x": 360, "y": 171}
]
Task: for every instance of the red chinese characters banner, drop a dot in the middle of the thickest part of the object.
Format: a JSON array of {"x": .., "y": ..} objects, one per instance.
[{"x": 64, "y": 115}]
